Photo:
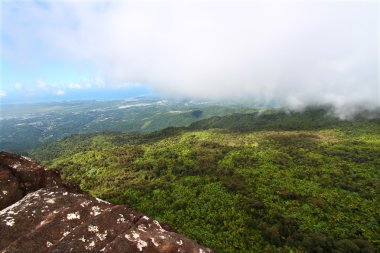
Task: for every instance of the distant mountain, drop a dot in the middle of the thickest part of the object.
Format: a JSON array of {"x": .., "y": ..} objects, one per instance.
[
  {"x": 311, "y": 118},
  {"x": 23, "y": 127}
]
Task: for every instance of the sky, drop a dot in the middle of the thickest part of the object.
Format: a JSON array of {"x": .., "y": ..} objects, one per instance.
[{"x": 291, "y": 52}]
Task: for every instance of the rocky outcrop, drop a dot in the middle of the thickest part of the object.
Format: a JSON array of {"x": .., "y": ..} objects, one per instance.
[{"x": 42, "y": 214}]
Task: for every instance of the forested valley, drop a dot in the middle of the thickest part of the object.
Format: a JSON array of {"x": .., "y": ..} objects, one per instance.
[{"x": 273, "y": 181}]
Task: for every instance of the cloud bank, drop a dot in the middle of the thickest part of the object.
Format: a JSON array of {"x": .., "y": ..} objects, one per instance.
[{"x": 292, "y": 52}]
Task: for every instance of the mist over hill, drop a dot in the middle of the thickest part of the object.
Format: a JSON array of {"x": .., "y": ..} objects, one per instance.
[{"x": 296, "y": 53}]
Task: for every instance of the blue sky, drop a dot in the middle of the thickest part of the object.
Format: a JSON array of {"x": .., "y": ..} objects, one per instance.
[
  {"x": 35, "y": 70},
  {"x": 52, "y": 80},
  {"x": 295, "y": 52}
]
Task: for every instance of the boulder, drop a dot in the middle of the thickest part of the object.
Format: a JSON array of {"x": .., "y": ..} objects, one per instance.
[{"x": 58, "y": 217}]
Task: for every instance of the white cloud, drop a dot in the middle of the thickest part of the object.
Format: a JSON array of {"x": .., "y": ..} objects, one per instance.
[
  {"x": 3, "y": 93},
  {"x": 41, "y": 84},
  {"x": 18, "y": 86},
  {"x": 73, "y": 85},
  {"x": 59, "y": 88},
  {"x": 298, "y": 52},
  {"x": 59, "y": 92},
  {"x": 99, "y": 81}
]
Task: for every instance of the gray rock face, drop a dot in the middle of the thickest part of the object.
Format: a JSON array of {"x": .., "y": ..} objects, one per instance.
[{"x": 58, "y": 218}]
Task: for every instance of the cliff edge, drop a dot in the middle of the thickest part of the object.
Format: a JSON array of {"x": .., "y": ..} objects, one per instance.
[{"x": 40, "y": 213}]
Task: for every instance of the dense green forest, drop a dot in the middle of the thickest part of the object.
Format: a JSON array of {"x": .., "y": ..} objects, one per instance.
[{"x": 259, "y": 182}]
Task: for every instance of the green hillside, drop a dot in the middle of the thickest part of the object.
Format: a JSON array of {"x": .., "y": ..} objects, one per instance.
[{"x": 269, "y": 182}]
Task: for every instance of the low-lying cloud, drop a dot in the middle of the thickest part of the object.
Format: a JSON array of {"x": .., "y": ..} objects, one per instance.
[{"x": 292, "y": 52}]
